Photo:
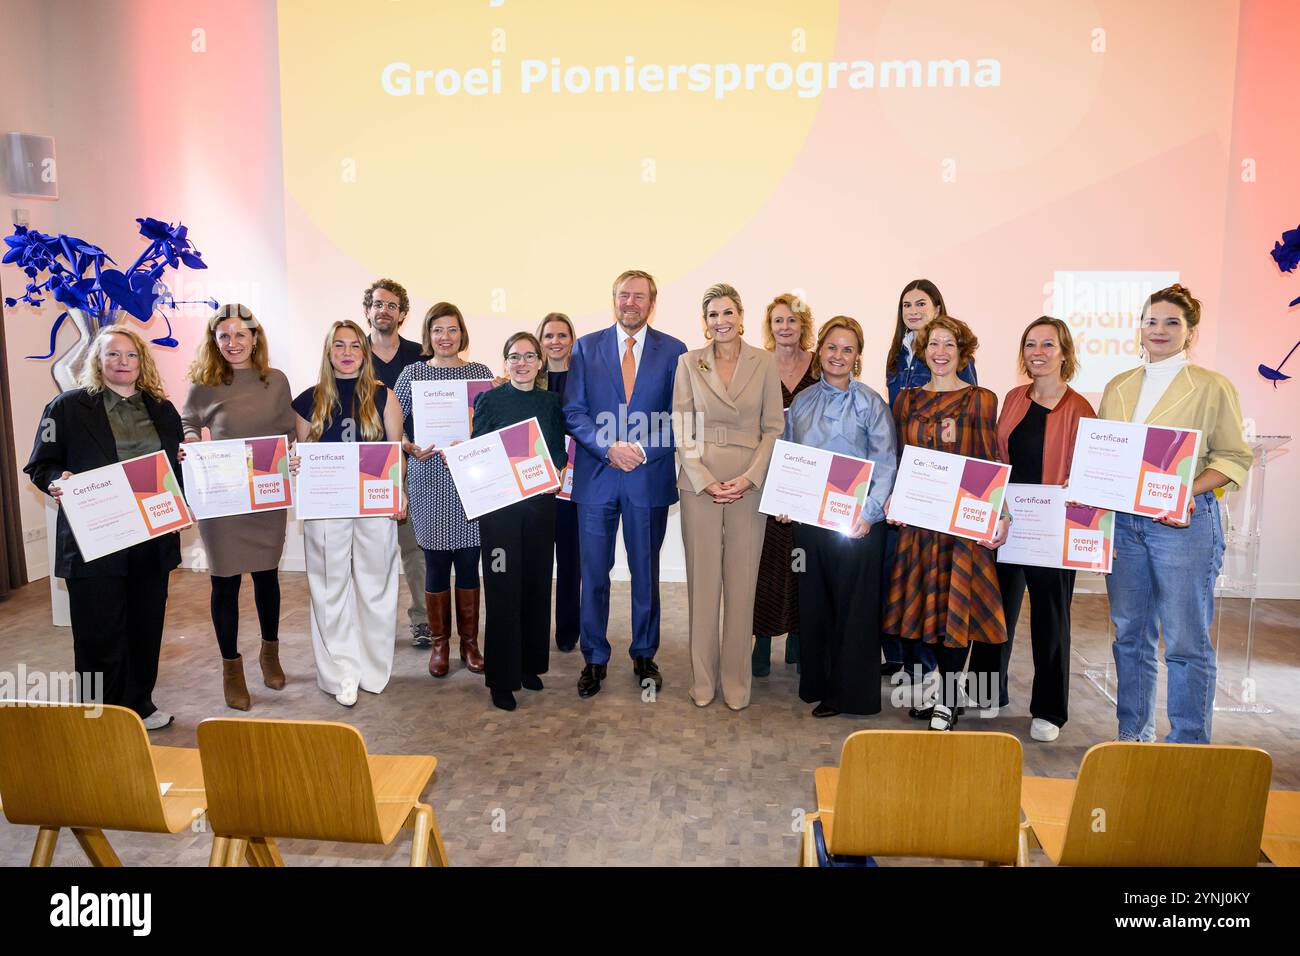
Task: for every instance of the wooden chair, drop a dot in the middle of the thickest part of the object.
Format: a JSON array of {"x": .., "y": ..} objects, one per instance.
[
  {"x": 919, "y": 793},
  {"x": 1281, "y": 842},
  {"x": 61, "y": 766},
  {"x": 310, "y": 780},
  {"x": 1148, "y": 804}
]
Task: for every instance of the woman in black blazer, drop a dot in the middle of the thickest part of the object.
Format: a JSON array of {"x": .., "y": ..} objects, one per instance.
[{"x": 118, "y": 602}]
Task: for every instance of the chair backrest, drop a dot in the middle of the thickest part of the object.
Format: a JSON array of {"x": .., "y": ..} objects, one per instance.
[
  {"x": 83, "y": 765},
  {"x": 1147, "y": 804},
  {"x": 288, "y": 778},
  {"x": 918, "y": 793}
]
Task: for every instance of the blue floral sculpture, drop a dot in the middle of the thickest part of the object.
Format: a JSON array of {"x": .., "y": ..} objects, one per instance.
[
  {"x": 72, "y": 272},
  {"x": 1286, "y": 254}
]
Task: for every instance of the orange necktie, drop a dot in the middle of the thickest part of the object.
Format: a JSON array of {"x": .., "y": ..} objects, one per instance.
[{"x": 629, "y": 369}]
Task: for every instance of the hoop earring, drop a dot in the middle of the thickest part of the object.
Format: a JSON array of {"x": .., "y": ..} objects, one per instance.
[
  {"x": 707, "y": 335},
  {"x": 742, "y": 328}
]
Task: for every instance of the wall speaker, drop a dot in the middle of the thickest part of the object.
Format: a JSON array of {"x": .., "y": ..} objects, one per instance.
[{"x": 29, "y": 166}]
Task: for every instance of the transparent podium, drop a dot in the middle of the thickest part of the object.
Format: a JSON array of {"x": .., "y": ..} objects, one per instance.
[{"x": 1233, "y": 629}]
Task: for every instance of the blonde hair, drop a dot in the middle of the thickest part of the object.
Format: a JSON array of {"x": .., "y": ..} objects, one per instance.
[
  {"x": 799, "y": 308},
  {"x": 210, "y": 367},
  {"x": 838, "y": 322},
  {"x": 720, "y": 290},
  {"x": 1069, "y": 363},
  {"x": 637, "y": 274},
  {"x": 92, "y": 372},
  {"x": 363, "y": 398}
]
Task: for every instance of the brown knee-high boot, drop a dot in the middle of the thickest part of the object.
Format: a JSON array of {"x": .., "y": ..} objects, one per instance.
[
  {"x": 467, "y": 628},
  {"x": 438, "y": 608}
]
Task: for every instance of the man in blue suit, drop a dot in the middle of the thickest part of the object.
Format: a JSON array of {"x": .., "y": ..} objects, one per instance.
[{"x": 618, "y": 405}]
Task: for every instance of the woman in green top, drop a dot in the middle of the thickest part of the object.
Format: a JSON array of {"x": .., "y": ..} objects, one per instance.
[{"x": 518, "y": 540}]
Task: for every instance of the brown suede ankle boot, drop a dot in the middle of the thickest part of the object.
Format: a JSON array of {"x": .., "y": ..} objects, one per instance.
[
  {"x": 272, "y": 672},
  {"x": 438, "y": 608},
  {"x": 467, "y": 628},
  {"x": 233, "y": 686}
]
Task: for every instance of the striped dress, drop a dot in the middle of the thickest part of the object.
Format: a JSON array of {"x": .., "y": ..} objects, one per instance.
[{"x": 944, "y": 589}]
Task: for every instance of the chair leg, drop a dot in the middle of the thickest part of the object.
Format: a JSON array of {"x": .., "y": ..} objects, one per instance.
[
  {"x": 96, "y": 846},
  {"x": 1022, "y": 848},
  {"x": 235, "y": 848},
  {"x": 419, "y": 822},
  {"x": 43, "y": 852},
  {"x": 438, "y": 852},
  {"x": 218, "y": 855},
  {"x": 262, "y": 851}
]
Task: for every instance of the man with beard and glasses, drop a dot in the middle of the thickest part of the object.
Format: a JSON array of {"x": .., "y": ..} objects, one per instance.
[{"x": 386, "y": 304}]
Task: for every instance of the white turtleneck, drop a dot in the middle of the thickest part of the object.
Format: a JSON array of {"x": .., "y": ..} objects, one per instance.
[
  {"x": 1155, "y": 379},
  {"x": 908, "y": 338}
]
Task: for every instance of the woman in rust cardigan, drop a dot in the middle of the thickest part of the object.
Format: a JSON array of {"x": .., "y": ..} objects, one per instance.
[{"x": 1036, "y": 437}]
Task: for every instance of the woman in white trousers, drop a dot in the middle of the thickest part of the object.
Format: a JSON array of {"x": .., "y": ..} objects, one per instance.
[{"x": 352, "y": 563}]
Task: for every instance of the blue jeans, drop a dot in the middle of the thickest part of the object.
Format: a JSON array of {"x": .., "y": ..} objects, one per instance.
[{"x": 1163, "y": 580}]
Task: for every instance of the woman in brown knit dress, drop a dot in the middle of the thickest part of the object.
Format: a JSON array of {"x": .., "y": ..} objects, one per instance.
[
  {"x": 787, "y": 331},
  {"x": 234, "y": 393},
  {"x": 943, "y": 590}
]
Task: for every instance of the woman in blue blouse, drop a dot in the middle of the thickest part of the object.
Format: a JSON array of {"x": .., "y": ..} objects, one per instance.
[
  {"x": 918, "y": 303},
  {"x": 840, "y": 587}
]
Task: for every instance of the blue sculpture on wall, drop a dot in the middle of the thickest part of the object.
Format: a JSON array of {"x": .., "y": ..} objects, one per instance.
[{"x": 1286, "y": 254}]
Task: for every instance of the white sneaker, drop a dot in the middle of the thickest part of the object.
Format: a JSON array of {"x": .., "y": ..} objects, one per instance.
[
  {"x": 158, "y": 720},
  {"x": 1043, "y": 730},
  {"x": 347, "y": 695},
  {"x": 943, "y": 718}
]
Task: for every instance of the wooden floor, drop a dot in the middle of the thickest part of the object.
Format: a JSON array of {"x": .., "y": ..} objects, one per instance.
[{"x": 613, "y": 780}]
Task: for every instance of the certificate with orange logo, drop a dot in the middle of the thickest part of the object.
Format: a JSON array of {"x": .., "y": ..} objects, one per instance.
[
  {"x": 814, "y": 486},
  {"x": 120, "y": 505},
  {"x": 566, "y": 476},
  {"x": 1140, "y": 469},
  {"x": 954, "y": 494},
  {"x": 237, "y": 476},
  {"x": 443, "y": 411},
  {"x": 1046, "y": 533},
  {"x": 349, "y": 479},
  {"x": 502, "y": 467}
]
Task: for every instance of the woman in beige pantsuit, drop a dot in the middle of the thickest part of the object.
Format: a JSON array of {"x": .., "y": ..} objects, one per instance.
[{"x": 727, "y": 414}]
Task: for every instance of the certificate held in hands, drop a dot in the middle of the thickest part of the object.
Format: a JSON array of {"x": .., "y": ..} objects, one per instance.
[
  {"x": 816, "y": 487},
  {"x": 501, "y": 468},
  {"x": 120, "y": 505},
  {"x": 237, "y": 476},
  {"x": 566, "y": 476},
  {"x": 1045, "y": 533},
  {"x": 349, "y": 479},
  {"x": 953, "y": 494},
  {"x": 443, "y": 412},
  {"x": 1140, "y": 469}
]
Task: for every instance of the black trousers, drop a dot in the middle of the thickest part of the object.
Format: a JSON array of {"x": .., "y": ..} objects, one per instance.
[
  {"x": 839, "y": 618},
  {"x": 518, "y": 548},
  {"x": 1050, "y": 592},
  {"x": 117, "y": 628},
  {"x": 568, "y": 575}
]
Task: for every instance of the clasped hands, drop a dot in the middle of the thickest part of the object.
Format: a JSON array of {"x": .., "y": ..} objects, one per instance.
[{"x": 726, "y": 492}]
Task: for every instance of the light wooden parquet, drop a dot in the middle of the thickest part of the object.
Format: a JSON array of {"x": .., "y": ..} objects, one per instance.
[{"x": 614, "y": 780}]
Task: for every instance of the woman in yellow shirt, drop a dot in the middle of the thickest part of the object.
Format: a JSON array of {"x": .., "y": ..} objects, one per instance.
[{"x": 1164, "y": 572}]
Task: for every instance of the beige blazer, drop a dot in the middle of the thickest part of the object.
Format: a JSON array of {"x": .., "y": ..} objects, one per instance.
[
  {"x": 722, "y": 432},
  {"x": 1196, "y": 398}
]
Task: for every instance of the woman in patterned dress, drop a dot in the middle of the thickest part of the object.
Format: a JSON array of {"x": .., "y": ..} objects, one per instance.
[
  {"x": 943, "y": 590},
  {"x": 447, "y": 537},
  {"x": 788, "y": 331}
]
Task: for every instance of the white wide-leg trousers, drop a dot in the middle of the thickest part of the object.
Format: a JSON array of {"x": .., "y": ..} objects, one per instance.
[{"x": 352, "y": 566}]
